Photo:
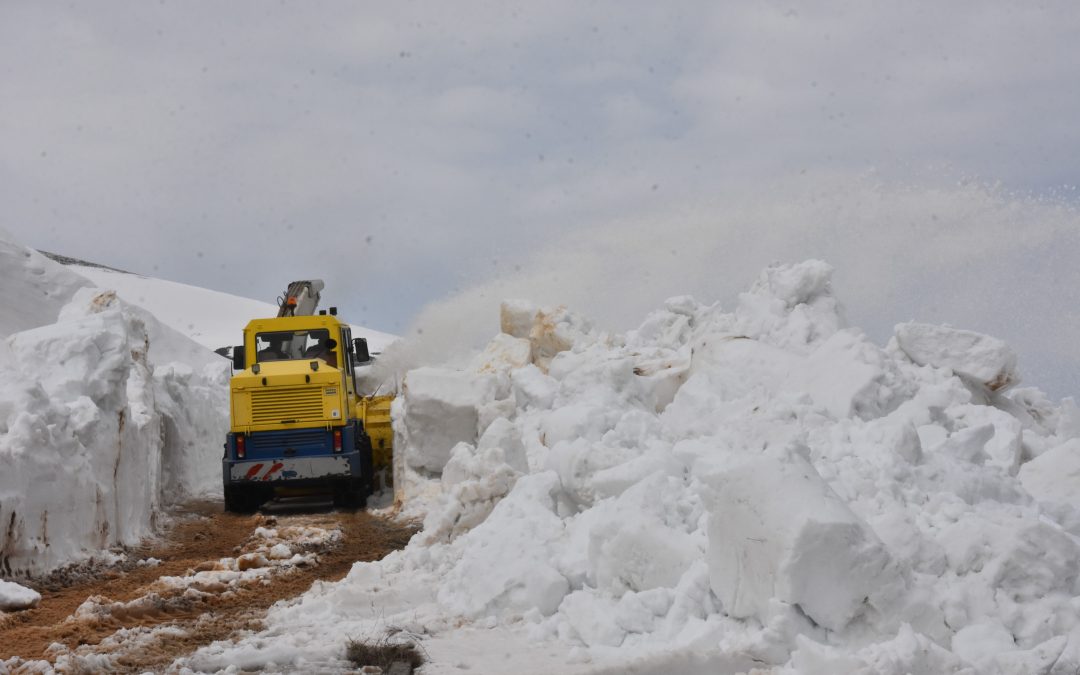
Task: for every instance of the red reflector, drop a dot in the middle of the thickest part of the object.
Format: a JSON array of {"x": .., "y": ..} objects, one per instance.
[
  {"x": 337, "y": 440},
  {"x": 240, "y": 450}
]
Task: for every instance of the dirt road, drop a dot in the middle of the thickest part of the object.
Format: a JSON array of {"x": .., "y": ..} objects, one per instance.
[{"x": 215, "y": 574}]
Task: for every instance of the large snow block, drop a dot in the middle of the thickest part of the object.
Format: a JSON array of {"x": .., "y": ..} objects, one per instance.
[
  {"x": 507, "y": 563},
  {"x": 440, "y": 411},
  {"x": 981, "y": 358},
  {"x": 516, "y": 318},
  {"x": 1054, "y": 476},
  {"x": 503, "y": 354},
  {"x": 776, "y": 530}
]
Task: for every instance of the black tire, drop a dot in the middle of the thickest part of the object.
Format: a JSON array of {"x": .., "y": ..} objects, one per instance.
[
  {"x": 349, "y": 494},
  {"x": 367, "y": 466},
  {"x": 242, "y": 499}
]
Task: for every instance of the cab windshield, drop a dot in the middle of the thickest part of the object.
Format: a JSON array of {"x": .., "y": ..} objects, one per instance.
[{"x": 289, "y": 345}]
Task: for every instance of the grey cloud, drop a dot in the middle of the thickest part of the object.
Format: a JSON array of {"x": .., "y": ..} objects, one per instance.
[{"x": 464, "y": 138}]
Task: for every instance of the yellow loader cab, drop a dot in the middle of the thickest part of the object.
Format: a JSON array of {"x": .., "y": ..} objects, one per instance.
[{"x": 295, "y": 415}]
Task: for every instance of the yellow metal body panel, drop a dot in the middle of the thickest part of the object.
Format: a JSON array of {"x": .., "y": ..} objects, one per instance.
[
  {"x": 290, "y": 394},
  {"x": 294, "y": 396},
  {"x": 375, "y": 412}
]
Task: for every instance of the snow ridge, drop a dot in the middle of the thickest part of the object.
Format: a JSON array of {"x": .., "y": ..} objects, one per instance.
[
  {"x": 106, "y": 416},
  {"x": 761, "y": 488}
]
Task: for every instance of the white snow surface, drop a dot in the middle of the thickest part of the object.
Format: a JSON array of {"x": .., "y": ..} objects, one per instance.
[
  {"x": 717, "y": 492},
  {"x": 211, "y": 318},
  {"x": 106, "y": 415},
  {"x": 14, "y": 597}
]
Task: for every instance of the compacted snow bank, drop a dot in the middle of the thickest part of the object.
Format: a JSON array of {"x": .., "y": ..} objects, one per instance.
[
  {"x": 106, "y": 415},
  {"x": 718, "y": 492},
  {"x": 211, "y": 318}
]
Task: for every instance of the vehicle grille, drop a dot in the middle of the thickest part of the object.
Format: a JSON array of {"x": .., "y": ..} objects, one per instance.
[
  {"x": 301, "y": 441},
  {"x": 280, "y": 404}
]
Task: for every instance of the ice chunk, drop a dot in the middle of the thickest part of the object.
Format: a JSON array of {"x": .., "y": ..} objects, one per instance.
[
  {"x": 14, "y": 597},
  {"x": 977, "y": 357},
  {"x": 806, "y": 548}
]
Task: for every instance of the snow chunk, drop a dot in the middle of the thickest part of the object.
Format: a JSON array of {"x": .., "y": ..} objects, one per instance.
[
  {"x": 507, "y": 562},
  {"x": 910, "y": 652},
  {"x": 557, "y": 330},
  {"x": 1054, "y": 476},
  {"x": 516, "y": 318},
  {"x": 977, "y": 357},
  {"x": 14, "y": 597},
  {"x": 280, "y": 552},
  {"x": 790, "y": 306},
  {"x": 502, "y": 354},
  {"x": 440, "y": 411},
  {"x": 806, "y": 548}
]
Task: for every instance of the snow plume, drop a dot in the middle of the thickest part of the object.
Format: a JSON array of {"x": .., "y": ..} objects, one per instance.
[
  {"x": 105, "y": 415},
  {"x": 722, "y": 490},
  {"x": 946, "y": 251}
]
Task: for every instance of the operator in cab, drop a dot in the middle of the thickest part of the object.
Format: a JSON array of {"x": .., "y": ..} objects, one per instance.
[{"x": 323, "y": 349}]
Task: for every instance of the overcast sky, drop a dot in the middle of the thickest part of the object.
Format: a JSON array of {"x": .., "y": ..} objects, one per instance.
[{"x": 428, "y": 159}]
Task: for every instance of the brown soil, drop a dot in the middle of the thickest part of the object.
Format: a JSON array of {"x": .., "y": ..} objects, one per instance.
[{"x": 196, "y": 541}]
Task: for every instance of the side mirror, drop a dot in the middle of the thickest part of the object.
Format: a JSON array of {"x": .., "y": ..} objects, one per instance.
[
  {"x": 360, "y": 350},
  {"x": 238, "y": 360}
]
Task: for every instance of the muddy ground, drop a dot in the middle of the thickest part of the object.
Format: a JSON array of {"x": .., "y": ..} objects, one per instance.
[{"x": 218, "y": 573}]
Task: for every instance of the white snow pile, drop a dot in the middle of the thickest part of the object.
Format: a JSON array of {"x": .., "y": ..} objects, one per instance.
[
  {"x": 211, "y": 318},
  {"x": 717, "y": 492},
  {"x": 105, "y": 416}
]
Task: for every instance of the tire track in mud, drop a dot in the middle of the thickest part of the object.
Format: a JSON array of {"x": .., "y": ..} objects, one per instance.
[{"x": 218, "y": 574}]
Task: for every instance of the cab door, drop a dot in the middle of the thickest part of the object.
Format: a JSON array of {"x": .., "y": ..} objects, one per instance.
[{"x": 348, "y": 371}]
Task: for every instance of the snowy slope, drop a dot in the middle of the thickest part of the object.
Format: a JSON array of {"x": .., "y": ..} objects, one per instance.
[
  {"x": 211, "y": 318},
  {"x": 718, "y": 492},
  {"x": 112, "y": 403},
  {"x": 106, "y": 415},
  {"x": 34, "y": 287}
]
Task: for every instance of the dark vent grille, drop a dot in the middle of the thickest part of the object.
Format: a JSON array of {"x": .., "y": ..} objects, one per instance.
[{"x": 291, "y": 404}]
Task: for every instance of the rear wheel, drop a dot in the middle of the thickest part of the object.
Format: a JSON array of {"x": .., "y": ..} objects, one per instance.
[
  {"x": 367, "y": 469},
  {"x": 243, "y": 498},
  {"x": 349, "y": 494}
]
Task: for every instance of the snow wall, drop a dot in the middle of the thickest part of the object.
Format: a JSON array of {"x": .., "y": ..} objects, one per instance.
[
  {"x": 106, "y": 415},
  {"x": 757, "y": 488}
]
